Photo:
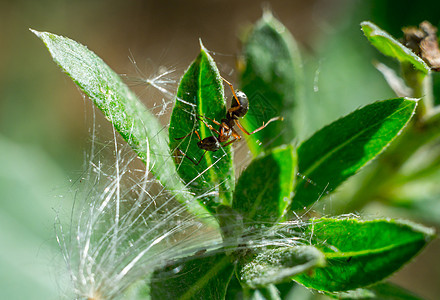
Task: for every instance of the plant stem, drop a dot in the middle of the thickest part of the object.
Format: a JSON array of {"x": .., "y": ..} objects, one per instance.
[{"x": 421, "y": 86}]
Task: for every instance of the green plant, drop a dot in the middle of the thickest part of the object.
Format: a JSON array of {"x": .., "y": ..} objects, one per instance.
[{"x": 267, "y": 236}]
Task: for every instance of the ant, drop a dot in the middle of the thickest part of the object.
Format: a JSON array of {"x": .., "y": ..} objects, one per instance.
[{"x": 226, "y": 133}]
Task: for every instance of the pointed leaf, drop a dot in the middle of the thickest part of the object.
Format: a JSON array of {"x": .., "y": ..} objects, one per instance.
[
  {"x": 389, "y": 46},
  {"x": 197, "y": 277},
  {"x": 200, "y": 96},
  {"x": 340, "y": 149},
  {"x": 272, "y": 79},
  {"x": 361, "y": 253},
  {"x": 274, "y": 266},
  {"x": 264, "y": 190},
  {"x": 120, "y": 106}
]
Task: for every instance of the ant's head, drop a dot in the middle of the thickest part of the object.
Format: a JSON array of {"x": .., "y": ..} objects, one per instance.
[
  {"x": 239, "y": 105},
  {"x": 209, "y": 143}
]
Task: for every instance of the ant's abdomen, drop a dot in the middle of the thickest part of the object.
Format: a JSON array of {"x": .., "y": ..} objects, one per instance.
[{"x": 239, "y": 109}]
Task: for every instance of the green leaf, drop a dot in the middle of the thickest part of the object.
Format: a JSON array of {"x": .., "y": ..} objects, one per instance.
[
  {"x": 361, "y": 253},
  {"x": 200, "y": 96},
  {"x": 272, "y": 79},
  {"x": 278, "y": 265},
  {"x": 340, "y": 149},
  {"x": 120, "y": 106},
  {"x": 389, "y": 46},
  {"x": 264, "y": 190},
  {"x": 198, "y": 277},
  {"x": 381, "y": 291}
]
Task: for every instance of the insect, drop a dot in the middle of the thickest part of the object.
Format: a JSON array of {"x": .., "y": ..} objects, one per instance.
[{"x": 226, "y": 133}]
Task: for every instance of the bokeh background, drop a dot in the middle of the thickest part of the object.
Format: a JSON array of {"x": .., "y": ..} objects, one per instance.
[{"x": 45, "y": 122}]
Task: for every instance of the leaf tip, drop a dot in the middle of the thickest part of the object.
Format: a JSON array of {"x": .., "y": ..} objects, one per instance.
[
  {"x": 415, "y": 100},
  {"x": 429, "y": 233},
  {"x": 369, "y": 28},
  {"x": 267, "y": 12},
  {"x": 202, "y": 47},
  {"x": 37, "y": 33},
  {"x": 366, "y": 23}
]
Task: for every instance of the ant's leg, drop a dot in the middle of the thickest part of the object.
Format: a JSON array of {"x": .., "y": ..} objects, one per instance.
[
  {"x": 241, "y": 127},
  {"x": 198, "y": 135},
  {"x": 181, "y": 138},
  {"x": 198, "y": 162},
  {"x": 214, "y": 121},
  {"x": 201, "y": 157},
  {"x": 264, "y": 125},
  {"x": 230, "y": 142},
  {"x": 232, "y": 88},
  {"x": 184, "y": 155},
  {"x": 236, "y": 137},
  {"x": 258, "y": 129},
  {"x": 190, "y": 159},
  {"x": 209, "y": 126},
  {"x": 232, "y": 109}
]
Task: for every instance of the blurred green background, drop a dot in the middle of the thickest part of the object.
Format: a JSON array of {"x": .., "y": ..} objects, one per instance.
[{"x": 45, "y": 122}]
